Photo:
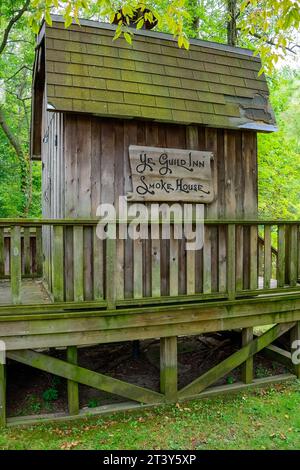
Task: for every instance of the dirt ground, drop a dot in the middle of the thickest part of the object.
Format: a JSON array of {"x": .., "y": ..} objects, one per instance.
[{"x": 31, "y": 391}]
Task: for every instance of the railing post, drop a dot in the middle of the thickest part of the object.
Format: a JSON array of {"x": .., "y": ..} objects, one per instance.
[
  {"x": 27, "y": 251},
  {"x": 231, "y": 261},
  {"x": 110, "y": 264},
  {"x": 15, "y": 264},
  {"x": 73, "y": 388},
  {"x": 168, "y": 368},
  {"x": 39, "y": 251},
  {"x": 253, "y": 257},
  {"x": 2, "y": 253},
  {"x": 293, "y": 256},
  {"x": 267, "y": 257},
  {"x": 58, "y": 263},
  {"x": 207, "y": 260},
  {"x": 78, "y": 263},
  {"x": 281, "y": 256}
]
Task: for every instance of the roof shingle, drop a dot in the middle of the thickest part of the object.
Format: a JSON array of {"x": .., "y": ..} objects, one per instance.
[{"x": 211, "y": 84}]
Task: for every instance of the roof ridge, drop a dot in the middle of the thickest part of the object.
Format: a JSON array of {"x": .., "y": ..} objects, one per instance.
[{"x": 161, "y": 35}]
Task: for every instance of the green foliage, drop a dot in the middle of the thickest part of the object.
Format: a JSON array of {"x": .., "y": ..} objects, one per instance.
[
  {"x": 93, "y": 403},
  {"x": 279, "y": 153},
  {"x": 51, "y": 394}
]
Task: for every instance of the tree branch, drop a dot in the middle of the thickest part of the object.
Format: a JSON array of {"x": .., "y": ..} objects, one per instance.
[
  {"x": 14, "y": 141},
  {"x": 270, "y": 42},
  {"x": 18, "y": 71},
  {"x": 11, "y": 24}
]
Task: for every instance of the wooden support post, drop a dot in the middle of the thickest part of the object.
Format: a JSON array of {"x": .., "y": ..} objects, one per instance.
[
  {"x": 231, "y": 261},
  {"x": 247, "y": 366},
  {"x": 168, "y": 367},
  {"x": 111, "y": 259},
  {"x": 73, "y": 388},
  {"x": 58, "y": 263},
  {"x": 2, "y": 395},
  {"x": 15, "y": 264},
  {"x": 295, "y": 345}
]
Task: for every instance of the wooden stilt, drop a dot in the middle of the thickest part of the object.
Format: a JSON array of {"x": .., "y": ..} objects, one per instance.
[
  {"x": 295, "y": 345},
  {"x": 2, "y": 395},
  {"x": 168, "y": 367},
  {"x": 247, "y": 366},
  {"x": 73, "y": 389}
]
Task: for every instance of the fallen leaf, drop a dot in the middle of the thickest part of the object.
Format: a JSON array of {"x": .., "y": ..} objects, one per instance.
[{"x": 69, "y": 445}]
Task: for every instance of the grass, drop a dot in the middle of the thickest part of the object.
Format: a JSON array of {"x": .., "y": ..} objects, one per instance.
[{"x": 261, "y": 419}]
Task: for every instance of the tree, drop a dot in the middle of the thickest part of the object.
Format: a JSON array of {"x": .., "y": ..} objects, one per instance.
[
  {"x": 279, "y": 153},
  {"x": 16, "y": 56}
]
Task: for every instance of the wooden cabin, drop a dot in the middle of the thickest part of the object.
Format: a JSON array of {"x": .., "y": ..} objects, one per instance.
[
  {"x": 98, "y": 107},
  {"x": 95, "y": 97}
]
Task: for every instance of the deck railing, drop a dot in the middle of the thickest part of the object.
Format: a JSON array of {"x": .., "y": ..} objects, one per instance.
[
  {"x": 238, "y": 258},
  {"x": 31, "y": 251}
]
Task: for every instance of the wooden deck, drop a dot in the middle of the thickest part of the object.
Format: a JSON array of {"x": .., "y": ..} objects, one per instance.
[
  {"x": 237, "y": 284},
  {"x": 32, "y": 292}
]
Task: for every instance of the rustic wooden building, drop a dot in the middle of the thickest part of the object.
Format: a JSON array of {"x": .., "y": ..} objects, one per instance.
[
  {"x": 94, "y": 97},
  {"x": 102, "y": 109}
]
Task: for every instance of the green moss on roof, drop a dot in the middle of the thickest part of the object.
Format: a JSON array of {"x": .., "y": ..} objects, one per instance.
[{"x": 153, "y": 79}]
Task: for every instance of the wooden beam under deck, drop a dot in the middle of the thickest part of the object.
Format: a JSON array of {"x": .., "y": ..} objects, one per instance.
[{"x": 83, "y": 327}]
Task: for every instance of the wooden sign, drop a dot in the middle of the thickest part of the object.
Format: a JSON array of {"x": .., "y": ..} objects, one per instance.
[{"x": 160, "y": 174}]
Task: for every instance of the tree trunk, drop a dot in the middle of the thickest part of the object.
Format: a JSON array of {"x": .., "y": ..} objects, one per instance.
[
  {"x": 231, "y": 23},
  {"x": 25, "y": 164}
]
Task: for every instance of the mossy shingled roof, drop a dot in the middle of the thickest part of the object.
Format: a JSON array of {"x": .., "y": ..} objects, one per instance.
[{"x": 210, "y": 84}]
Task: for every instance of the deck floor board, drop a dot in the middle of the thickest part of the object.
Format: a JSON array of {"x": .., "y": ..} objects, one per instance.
[{"x": 32, "y": 292}]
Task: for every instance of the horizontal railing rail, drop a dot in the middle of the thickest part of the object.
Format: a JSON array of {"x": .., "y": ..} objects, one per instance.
[{"x": 238, "y": 258}]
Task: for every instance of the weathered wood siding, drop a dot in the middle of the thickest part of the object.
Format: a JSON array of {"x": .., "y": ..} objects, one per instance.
[
  {"x": 92, "y": 167},
  {"x": 53, "y": 179},
  {"x": 97, "y": 162}
]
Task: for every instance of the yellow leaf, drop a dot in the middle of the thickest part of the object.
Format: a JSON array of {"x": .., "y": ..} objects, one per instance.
[
  {"x": 128, "y": 38},
  {"x": 68, "y": 21},
  {"x": 140, "y": 23},
  {"x": 186, "y": 43},
  {"x": 48, "y": 17}
]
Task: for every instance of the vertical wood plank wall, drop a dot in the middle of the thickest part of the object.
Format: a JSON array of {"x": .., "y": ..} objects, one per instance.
[
  {"x": 53, "y": 180},
  {"x": 92, "y": 167}
]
